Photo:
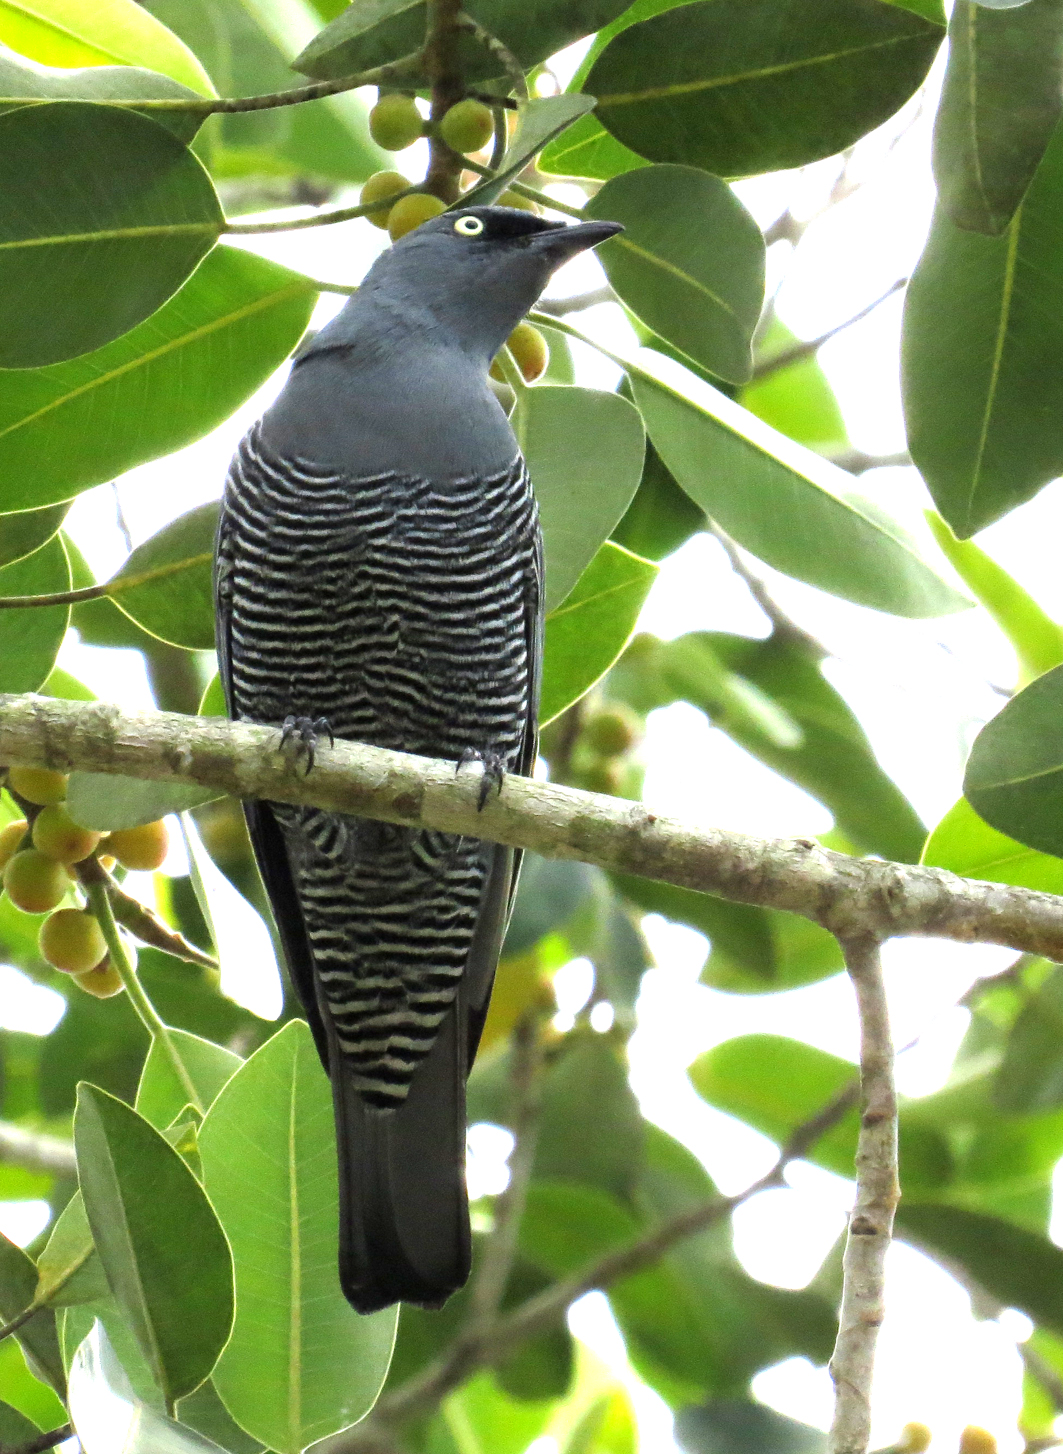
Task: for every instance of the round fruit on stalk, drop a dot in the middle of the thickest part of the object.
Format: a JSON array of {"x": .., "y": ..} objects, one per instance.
[
  {"x": 409, "y": 212},
  {"x": 102, "y": 982},
  {"x": 34, "y": 883},
  {"x": 467, "y": 126},
  {"x": 395, "y": 122},
  {"x": 143, "y": 848},
  {"x": 11, "y": 836},
  {"x": 72, "y": 940},
  {"x": 38, "y": 784},
  {"x": 56, "y": 835}
]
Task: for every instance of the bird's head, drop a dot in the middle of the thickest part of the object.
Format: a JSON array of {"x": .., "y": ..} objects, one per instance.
[{"x": 476, "y": 271}]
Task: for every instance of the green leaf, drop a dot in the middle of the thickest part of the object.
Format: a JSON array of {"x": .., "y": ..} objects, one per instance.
[
  {"x": 378, "y": 31},
  {"x": 1021, "y": 1269},
  {"x": 788, "y": 506},
  {"x": 550, "y": 893},
  {"x": 205, "y": 1412},
  {"x": 581, "y": 493},
  {"x": 541, "y": 119},
  {"x": 591, "y": 627},
  {"x": 982, "y": 357},
  {"x": 31, "y": 637},
  {"x": 590, "y": 1128},
  {"x": 587, "y": 150},
  {"x": 107, "y": 1412},
  {"x": 1037, "y": 639},
  {"x": 608, "y": 1427},
  {"x": 1014, "y": 777},
  {"x": 735, "y": 1426},
  {"x": 1000, "y": 103},
  {"x": 68, "y": 1271},
  {"x": 301, "y": 1363},
  {"x": 26, "y": 1393},
  {"x": 1030, "y": 1078},
  {"x": 795, "y": 399},
  {"x": 99, "y": 83},
  {"x": 69, "y": 33},
  {"x": 704, "y": 300},
  {"x": 15, "y": 1428},
  {"x": 661, "y": 517},
  {"x": 106, "y": 801},
  {"x": 27, "y": 530},
  {"x": 150, "y": 1219},
  {"x": 166, "y": 585},
  {"x": 742, "y": 86},
  {"x": 130, "y": 236},
  {"x": 160, "y": 1095},
  {"x": 38, "y": 1339},
  {"x": 966, "y": 845},
  {"x": 173, "y": 379},
  {"x": 481, "y": 1419}
]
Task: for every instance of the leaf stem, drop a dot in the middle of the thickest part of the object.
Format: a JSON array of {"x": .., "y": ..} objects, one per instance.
[
  {"x": 323, "y": 219},
  {"x": 20, "y": 1320},
  {"x": 100, "y": 906}
]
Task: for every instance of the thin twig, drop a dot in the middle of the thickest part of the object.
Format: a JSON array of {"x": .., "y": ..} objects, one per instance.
[
  {"x": 558, "y": 307},
  {"x": 848, "y": 896},
  {"x": 489, "y": 1284},
  {"x": 140, "y": 920},
  {"x": 36, "y": 1151},
  {"x": 871, "y": 1224},
  {"x": 41, "y": 1443},
  {"x": 805, "y": 349},
  {"x": 501, "y": 52},
  {"x": 325, "y": 219},
  {"x": 467, "y": 1353},
  {"x": 20, "y": 1320},
  {"x": 781, "y": 624},
  {"x": 100, "y": 907},
  {"x": 857, "y": 462}
]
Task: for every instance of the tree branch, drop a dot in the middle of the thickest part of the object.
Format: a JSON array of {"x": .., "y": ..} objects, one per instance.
[
  {"x": 851, "y": 897},
  {"x": 36, "y": 1151},
  {"x": 41, "y": 1443},
  {"x": 441, "y": 58},
  {"x": 807, "y": 347},
  {"x": 871, "y": 1224},
  {"x": 781, "y": 624}
]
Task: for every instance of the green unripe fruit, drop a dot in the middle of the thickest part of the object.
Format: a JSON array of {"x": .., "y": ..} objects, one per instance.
[
  {"x": 34, "y": 883},
  {"x": 409, "y": 212},
  {"x": 612, "y": 731},
  {"x": 915, "y": 1439},
  {"x": 38, "y": 784},
  {"x": 530, "y": 351},
  {"x": 101, "y": 982},
  {"x": 468, "y": 126},
  {"x": 56, "y": 835},
  {"x": 143, "y": 848},
  {"x": 602, "y": 777},
  {"x": 395, "y": 122},
  {"x": 72, "y": 940},
  {"x": 11, "y": 840},
  {"x": 514, "y": 199},
  {"x": 379, "y": 187}
]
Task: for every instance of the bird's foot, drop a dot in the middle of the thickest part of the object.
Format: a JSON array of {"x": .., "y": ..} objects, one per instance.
[
  {"x": 494, "y": 770},
  {"x": 305, "y": 732}
]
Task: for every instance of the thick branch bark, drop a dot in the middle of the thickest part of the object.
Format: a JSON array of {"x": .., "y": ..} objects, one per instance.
[
  {"x": 34, "y": 1151},
  {"x": 853, "y": 898},
  {"x": 871, "y": 1224}
]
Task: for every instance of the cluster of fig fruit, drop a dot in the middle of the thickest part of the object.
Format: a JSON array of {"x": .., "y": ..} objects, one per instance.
[
  {"x": 602, "y": 761},
  {"x": 37, "y": 858}
]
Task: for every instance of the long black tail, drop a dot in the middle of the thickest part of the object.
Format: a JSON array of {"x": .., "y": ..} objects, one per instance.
[{"x": 404, "y": 1210}]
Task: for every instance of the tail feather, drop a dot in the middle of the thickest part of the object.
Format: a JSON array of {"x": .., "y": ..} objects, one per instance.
[{"x": 404, "y": 1211}]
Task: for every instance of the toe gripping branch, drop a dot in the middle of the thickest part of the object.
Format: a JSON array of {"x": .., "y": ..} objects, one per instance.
[
  {"x": 494, "y": 767},
  {"x": 305, "y": 733}
]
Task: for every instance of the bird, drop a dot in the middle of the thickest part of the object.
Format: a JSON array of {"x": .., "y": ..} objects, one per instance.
[{"x": 379, "y": 577}]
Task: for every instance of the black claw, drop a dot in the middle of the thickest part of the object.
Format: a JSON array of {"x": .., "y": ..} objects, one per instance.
[
  {"x": 304, "y": 731},
  {"x": 494, "y": 770}
]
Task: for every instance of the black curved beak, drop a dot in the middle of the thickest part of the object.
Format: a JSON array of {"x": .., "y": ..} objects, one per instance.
[{"x": 566, "y": 242}]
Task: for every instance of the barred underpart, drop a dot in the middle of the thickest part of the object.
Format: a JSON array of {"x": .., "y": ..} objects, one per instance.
[{"x": 399, "y": 610}]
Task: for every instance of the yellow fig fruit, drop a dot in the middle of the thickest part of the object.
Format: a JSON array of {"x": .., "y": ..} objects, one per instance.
[
  {"x": 38, "y": 784},
  {"x": 143, "y": 848},
  {"x": 72, "y": 940},
  {"x": 409, "y": 212},
  {"x": 56, "y": 835},
  {"x": 34, "y": 883},
  {"x": 395, "y": 122},
  {"x": 467, "y": 126}
]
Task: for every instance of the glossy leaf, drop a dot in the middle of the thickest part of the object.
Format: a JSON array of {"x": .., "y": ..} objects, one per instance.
[
  {"x": 149, "y": 1217},
  {"x": 966, "y": 845},
  {"x": 99, "y": 83},
  {"x": 1037, "y": 639},
  {"x": 106, "y": 801},
  {"x": 690, "y": 263},
  {"x": 68, "y": 1270},
  {"x": 591, "y": 627},
  {"x": 27, "y": 531},
  {"x": 582, "y": 493},
  {"x": 785, "y": 504},
  {"x": 160, "y": 1095},
  {"x": 301, "y": 1363},
  {"x": 1014, "y": 777},
  {"x": 68, "y": 33},
  {"x": 541, "y": 119},
  {"x": 1000, "y": 103},
  {"x": 108, "y": 1415},
  {"x": 130, "y": 240},
  {"x": 166, "y": 585},
  {"x": 383, "y": 30},
  {"x": 735, "y": 1426},
  {"x": 205, "y": 1412},
  {"x": 982, "y": 357},
  {"x": 18, "y": 1285},
  {"x": 806, "y": 80},
  {"x": 169, "y": 381},
  {"x": 31, "y": 637},
  {"x": 1021, "y": 1269}
]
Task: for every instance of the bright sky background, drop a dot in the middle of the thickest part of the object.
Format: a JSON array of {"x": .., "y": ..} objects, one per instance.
[{"x": 921, "y": 690}]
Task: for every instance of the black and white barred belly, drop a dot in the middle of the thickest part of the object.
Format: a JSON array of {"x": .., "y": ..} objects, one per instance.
[{"x": 406, "y": 614}]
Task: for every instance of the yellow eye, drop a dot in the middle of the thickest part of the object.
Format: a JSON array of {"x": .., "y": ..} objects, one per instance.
[{"x": 469, "y": 226}]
